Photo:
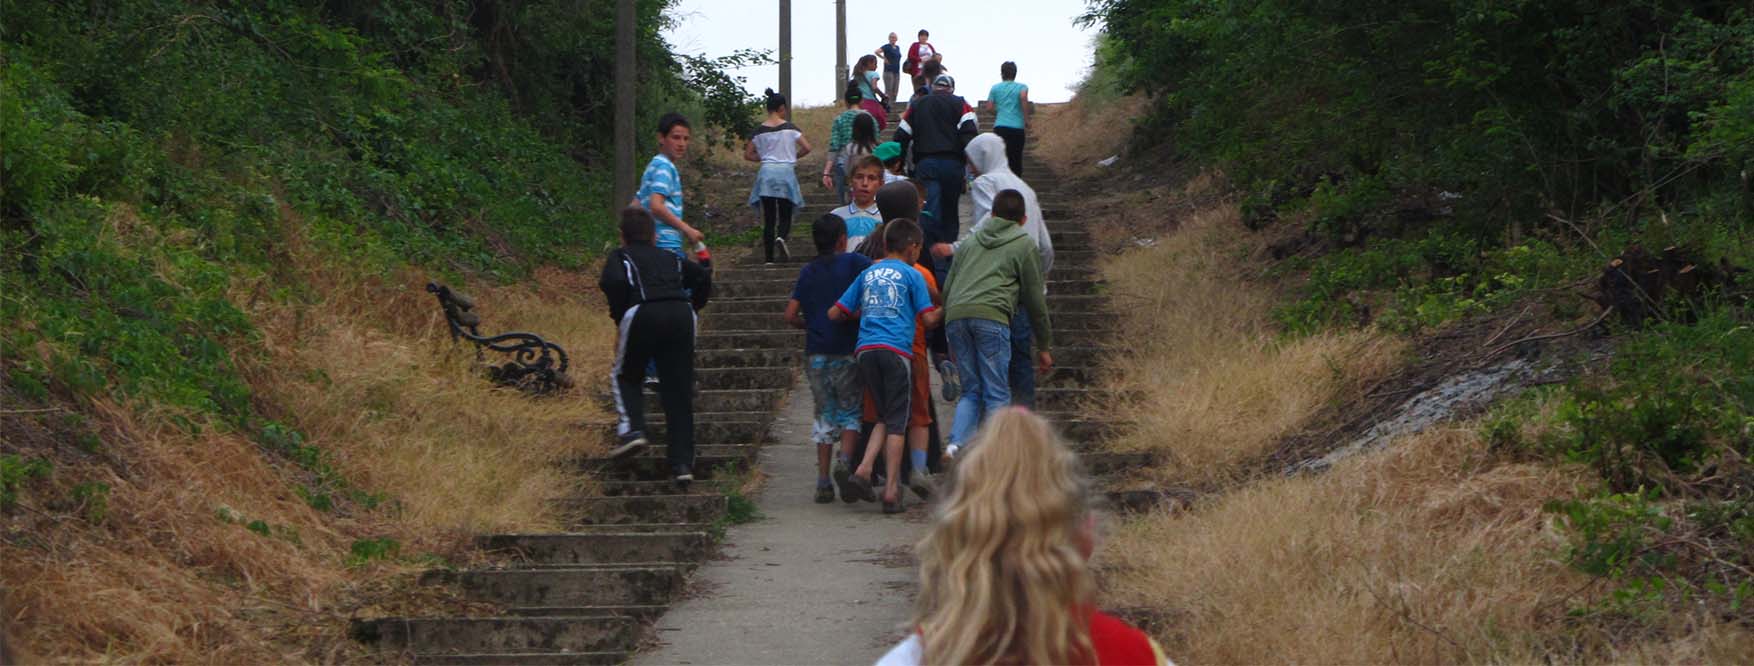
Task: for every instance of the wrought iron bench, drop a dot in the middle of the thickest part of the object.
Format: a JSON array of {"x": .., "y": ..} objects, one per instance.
[{"x": 534, "y": 364}]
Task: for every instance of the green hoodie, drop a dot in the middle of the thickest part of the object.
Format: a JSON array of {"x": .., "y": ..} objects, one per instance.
[{"x": 991, "y": 272}]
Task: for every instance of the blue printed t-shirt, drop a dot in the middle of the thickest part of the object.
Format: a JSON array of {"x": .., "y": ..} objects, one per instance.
[
  {"x": 891, "y": 58},
  {"x": 1007, "y": 99},
  {"x": 820, "y": 284},
  {"x": 661, "y": 177},
  {"x": 887, "y": 297},
  {"x": 860, "y": 221}
]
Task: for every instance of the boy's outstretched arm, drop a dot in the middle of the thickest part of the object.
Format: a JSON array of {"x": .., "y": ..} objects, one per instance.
[
  {"x": 838, "y": 313},
  {"x": 931, "y": 318}
]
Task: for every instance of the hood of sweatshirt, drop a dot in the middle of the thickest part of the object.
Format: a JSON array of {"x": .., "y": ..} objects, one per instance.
[
  {"x": 986, "y": 153},
  {"x": 999, "y": 231}
]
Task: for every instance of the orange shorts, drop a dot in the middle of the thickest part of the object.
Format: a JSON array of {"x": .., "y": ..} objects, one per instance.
[{"x": 919, "y": 404}]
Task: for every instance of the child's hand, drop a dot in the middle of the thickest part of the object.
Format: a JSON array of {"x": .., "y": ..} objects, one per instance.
[
  {"x": 942, "y": 250},
  {"x": 827, "y": 182},
  {"x": 1044, "y": 361},
  {"x": 694, "y": 235}
]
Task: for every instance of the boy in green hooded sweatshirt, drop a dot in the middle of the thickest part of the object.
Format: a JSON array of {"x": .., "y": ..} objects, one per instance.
[{"x": 995, "y": 270}]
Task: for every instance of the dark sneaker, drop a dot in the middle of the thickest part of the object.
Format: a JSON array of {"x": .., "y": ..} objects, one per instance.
[
  {"x": 824, "y": 494},
  {"x": 652, "y": 383},
  {"x": 896, "y": 506},
  {"x": 779, "y": 248},
  {"x": 922, "y": 483},
  {"x": 951, "y": 387},
  {"x": 631, "y": 443},
  {"x": 862, "y": 488},
  {"x": 843, "y": 478},
  {"x": 683, "y": 477}
]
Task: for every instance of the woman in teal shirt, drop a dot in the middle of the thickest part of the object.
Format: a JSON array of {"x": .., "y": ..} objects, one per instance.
[{"x": 1009, "y": 99}]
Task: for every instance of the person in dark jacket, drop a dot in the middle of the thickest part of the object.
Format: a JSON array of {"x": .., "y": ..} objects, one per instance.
[
  {"x": 938, "y": 127},
  {"x": 653, "y": 295}
]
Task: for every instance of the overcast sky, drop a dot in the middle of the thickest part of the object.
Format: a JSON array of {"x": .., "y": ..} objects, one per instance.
[{"x": 1051, "y": 53}]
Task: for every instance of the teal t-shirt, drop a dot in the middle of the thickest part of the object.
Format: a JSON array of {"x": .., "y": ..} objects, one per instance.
[{"x": 1007, "y": 99}]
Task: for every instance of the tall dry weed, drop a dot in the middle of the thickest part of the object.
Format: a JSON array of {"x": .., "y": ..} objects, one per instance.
[
  {"x": 1074, "y": 136},
  {"x": 1219, "y": 383}
]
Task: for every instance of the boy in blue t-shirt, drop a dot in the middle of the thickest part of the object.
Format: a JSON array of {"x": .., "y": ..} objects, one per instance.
[
  {"x": 828, "y": 346},
  {"x": 864, "y": 176},
  {"x": 660, "y": 188},
  {"x": 887, "y": 298}
]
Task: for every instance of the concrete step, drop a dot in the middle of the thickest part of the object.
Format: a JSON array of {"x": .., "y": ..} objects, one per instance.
[
  {"x": 499, "y": 635},
  {"x": 744, "y": 358},
  {"x": 521, "y": 659},
  {"x": 601, "y": 547},
  {"x": 791, "y": 339},
  {"x": 778, "y": 376},
  {"x": 623, "y": 488},
  {"x": 658, "y": 508},
  {"x": 774, "y": 308},
  {"x": 620, "y": 584},
  {"x": 725, "y": 400},
  {"x": 708, "y": 427},
  {"x": 640, "y": 612},
  {"x": 782, "y": 289},
  {"x": 651, "y": 528}
]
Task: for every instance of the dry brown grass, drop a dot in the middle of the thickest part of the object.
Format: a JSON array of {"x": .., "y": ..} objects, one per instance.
[
  {"x": 1432, "y": 551},
  {"x": 363, "y": 366},
  {"x": 1074, "y": 136},
  {"x": 1220, "y": 384}
]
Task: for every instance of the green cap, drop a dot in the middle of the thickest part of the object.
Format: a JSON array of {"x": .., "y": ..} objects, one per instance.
[{"x": 887, "y": 150}]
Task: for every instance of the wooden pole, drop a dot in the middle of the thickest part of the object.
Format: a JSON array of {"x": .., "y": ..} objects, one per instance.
[
  {"x": 625, "y": 91},
  {"x": 840, "y": 48},
  {"x": 786, "y": 53}
]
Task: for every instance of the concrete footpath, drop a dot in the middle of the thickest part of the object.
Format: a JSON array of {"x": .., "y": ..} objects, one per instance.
[{"x": 807, "y": 583}]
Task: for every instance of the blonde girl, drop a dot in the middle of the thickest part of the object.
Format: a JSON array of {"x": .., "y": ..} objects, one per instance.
[{"x": 1004, "y": 576}]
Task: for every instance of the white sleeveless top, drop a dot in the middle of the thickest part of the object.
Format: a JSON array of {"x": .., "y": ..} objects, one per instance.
[{"x": 777, "y": 144}]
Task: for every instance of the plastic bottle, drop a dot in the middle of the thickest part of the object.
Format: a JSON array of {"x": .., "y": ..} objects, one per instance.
[{"x": 702, "y": 254}]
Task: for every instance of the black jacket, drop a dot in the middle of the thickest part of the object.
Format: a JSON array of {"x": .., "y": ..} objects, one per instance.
[
  {"x": 635, "y": 274},
  {"x": 938, "y": 125}
]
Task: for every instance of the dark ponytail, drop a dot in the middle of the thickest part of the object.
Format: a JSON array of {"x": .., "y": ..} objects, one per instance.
[{"x": 774, "y": 100}]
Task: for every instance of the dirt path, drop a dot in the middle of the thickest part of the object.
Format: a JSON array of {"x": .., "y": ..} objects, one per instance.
[{"x": 806, "y": 584}]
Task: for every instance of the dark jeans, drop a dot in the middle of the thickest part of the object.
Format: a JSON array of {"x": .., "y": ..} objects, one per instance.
[
  {"x": 1022, "y": 373},
  {"x": 776, "y": 222},
  {"x": 944, "y": 178},
  {"x": 1013, "y": 137},
  {"x": 661, "y": 331}
]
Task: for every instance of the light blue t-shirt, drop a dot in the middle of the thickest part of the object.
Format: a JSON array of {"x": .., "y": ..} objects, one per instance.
[
  {"x": 869, "y": 84},
  {"x": 860, "y": 221},
  {"x": 661, "y": 177},
  {"x": 1007, "y": 99},
  {"x": 887, "y": 297}
]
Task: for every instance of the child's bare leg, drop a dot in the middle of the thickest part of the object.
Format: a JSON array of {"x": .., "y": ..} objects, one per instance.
[
  {"x": 824, "y": 453},
  {"x": 892, "y": 450},
  {"x": 849, "y": 442},
  {"x": 917, "y": 436},
  {"x": 871, "y": 449}
]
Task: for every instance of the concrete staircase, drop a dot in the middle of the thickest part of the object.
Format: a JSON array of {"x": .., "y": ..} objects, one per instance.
[{"x": 584, "y": 596}]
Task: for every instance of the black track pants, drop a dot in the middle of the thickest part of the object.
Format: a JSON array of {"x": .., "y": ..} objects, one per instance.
[
  {"x": 776, "y": 221},
  {"x": 661, "y": 331},
  {"x": 1013, "y": 137}
]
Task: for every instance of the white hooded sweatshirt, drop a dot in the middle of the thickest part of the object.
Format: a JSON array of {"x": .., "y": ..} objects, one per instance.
[{"x": 986, "y": 153}]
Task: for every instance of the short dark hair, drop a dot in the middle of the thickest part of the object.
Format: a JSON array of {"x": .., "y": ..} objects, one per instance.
[
  {"x": 898, "y": 199},
  {"x": 637, "y": 226},
  {"x": 1008, "y": 71},
  {"x": 931, "y": 70},
  {"x": 852, "y": 94},
  {"x": 1008, "y": 205},
  {"x": 827, "y": 232},
  {"x": 923, "y": 32},
  {"x": 901, "y": 233},
  {"x": 865, "y": 162},
  {"x": 671, "y": 121}
]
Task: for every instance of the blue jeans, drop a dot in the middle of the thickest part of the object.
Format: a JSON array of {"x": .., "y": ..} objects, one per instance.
[
  {"x": 982, "y": 349},
  {"x": 944, "y": 178},
  {"x": 1022, "y": 378}
]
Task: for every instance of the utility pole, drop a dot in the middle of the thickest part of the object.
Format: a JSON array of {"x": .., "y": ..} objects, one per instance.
[
  {"x": 786, "y": 54},
  {"x": 624, "y": 96},
  {"x": 840, "y": 48}
]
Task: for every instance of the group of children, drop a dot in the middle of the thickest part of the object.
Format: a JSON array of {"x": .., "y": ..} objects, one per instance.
[{"x": 867, "y": 302}]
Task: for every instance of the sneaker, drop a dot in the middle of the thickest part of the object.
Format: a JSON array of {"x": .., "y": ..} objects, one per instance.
[
  {"x": 824, "y": 494},
  {"x": 922, "y": 482},
  {"x": 951, "y": 387},
  {"x": 895, "y": 507},
  {"x": 951, "y": 451},
  {"x": 843, "y": 478},
  {"x": 779, "y": 246},
  {"x": 684, "y": 476},
  {"x": 631, "y": 443},
  {"x": 652, "y": 382},
  {"x": 862, "y": 488}
]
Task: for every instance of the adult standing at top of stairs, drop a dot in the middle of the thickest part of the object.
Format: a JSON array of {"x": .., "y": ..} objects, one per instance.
[
  {"x": 939, "y": 127},
  {"x": 891, "y": 55}
]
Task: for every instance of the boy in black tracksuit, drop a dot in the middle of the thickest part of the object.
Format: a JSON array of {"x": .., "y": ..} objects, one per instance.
[{"x": 653, "y": 295}]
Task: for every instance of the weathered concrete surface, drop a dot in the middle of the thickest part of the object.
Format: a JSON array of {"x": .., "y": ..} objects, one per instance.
[{"x": 808, "y": 584}]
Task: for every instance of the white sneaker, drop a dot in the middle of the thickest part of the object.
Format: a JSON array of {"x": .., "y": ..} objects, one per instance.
[{"x": 950, "y": 451}]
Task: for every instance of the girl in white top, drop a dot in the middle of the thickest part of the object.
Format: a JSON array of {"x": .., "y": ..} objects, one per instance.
[{"x": 776, "y": 144}]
